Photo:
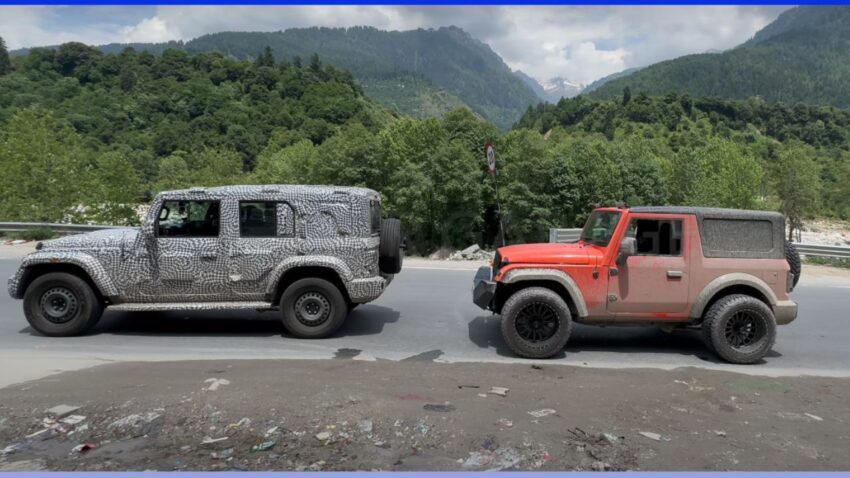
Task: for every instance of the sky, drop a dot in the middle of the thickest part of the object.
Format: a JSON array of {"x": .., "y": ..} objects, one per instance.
[{"x": 579, "y": 43}]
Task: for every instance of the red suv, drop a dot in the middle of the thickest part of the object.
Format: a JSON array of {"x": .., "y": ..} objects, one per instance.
[{"x": 727, "y": 272}]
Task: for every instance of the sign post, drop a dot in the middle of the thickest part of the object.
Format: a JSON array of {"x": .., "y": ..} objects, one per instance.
[{"x": 490, "y": 154}]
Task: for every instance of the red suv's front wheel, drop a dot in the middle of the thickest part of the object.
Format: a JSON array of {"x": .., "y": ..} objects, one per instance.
[{"x": 536, "y": 322}]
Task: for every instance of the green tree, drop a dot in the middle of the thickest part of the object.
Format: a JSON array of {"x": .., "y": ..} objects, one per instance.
[
  {"x": 718, "y": 174},
  {"x": 173, "y": 173},
  {"x": 216, "y": 167},
  {"x": 5, "y": 62},
  {"x": 45, "y": 170},
  {"x": 291, "y": 165},
  {"x": 796, "y": 178},
  {"x": 116, "y": 190}
]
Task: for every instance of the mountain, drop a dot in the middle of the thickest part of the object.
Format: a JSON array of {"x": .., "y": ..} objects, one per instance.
[
  {"x": 419, "y": 72},
  {"x": 595, "y": 85},
  {"x": 557, "y": 88},
  {"x": 803, "y": 56},
  {"x": 535, "y": 86}
]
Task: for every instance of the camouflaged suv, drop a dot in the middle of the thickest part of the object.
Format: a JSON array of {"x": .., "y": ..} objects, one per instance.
[{"x": 312, "y": 252}]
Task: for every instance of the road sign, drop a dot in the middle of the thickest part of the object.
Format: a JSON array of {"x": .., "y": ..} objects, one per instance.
[{"x": 491, "y": 158}]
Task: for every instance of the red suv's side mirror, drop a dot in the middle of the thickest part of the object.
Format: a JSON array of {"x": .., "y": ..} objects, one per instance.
[{"x": 628, "y": 247}]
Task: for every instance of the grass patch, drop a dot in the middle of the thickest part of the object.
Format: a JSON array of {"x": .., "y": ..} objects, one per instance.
[
  {"x": 34, "y": 234},
  {"x": 828, "y": 261}
]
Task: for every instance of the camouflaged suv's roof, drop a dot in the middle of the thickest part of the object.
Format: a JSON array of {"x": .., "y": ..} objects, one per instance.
[{"x": 284, "y": 189}]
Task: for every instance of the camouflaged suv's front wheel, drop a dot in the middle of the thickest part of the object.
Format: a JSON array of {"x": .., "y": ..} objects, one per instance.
[
  {"x": 313, "y": 308},
  {"x": 536, "y": 322},
  {"x": 59, "y": 304}
]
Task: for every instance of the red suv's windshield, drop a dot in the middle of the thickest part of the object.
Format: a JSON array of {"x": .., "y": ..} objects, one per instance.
[{"x": 600, "y": 227}]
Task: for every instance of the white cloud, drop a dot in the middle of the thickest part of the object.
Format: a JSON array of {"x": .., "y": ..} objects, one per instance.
[
  {"x": 149, "y": 30},
  {"x": 581, "y": 43}
]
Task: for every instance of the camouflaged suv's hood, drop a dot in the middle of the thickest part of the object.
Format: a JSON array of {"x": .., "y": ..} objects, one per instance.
[{"x": 92, "y": 240}]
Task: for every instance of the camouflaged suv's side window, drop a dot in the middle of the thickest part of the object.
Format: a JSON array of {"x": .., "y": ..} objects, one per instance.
[
  {"x": 189, "y": 219},
  {"x": 257, "y": 219},
  {"x": 285, "y": 220}
]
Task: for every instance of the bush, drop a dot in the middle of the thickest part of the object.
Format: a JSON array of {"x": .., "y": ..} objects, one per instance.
[
  {"x": 829, "y": 261},
  {"x": 35, "y": 234}
]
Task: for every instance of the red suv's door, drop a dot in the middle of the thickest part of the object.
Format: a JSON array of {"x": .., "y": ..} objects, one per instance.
[{"x": 654, "y": 282}]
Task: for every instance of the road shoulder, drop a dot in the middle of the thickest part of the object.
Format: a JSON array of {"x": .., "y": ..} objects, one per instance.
[{"x": 354, "y": 415}]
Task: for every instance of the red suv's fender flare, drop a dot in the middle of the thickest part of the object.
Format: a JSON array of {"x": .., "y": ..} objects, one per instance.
[
  {"x": 560, "y": 277},
  {"x": 729, "y": 280}
]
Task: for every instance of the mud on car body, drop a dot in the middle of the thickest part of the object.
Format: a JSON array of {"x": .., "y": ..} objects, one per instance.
[
  {"x": 313, "y": 252},
  {"x": 727, "y": 272}
]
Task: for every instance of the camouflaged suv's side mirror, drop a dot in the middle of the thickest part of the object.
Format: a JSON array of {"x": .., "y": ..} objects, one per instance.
[
  {"x": 148, "y": 228},
  {"x": 628, "y": 247}
]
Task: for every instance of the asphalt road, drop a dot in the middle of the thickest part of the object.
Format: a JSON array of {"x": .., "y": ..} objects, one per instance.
[{"x": 426, "y": 314}]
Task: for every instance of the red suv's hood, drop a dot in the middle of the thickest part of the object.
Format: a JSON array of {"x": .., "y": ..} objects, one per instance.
[{"x": 551, "y": 253}]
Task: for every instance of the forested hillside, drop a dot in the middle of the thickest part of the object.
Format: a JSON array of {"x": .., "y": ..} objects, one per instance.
[
  {"x": 423, "y": 73},
  {"x": 803, "y": 56},
  {"x": 87, "y": 136}
]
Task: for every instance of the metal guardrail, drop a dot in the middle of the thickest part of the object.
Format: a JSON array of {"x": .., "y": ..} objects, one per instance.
[
  {"x": 815, "y": 250},
  {"x": 61, "y": 229},
  {"x": 835, "y": 252}
]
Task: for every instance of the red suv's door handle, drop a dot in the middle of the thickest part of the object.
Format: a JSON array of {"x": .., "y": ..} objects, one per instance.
[{"x": 675, "y": 274}]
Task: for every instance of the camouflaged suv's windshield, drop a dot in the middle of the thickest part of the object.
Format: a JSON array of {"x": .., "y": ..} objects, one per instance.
[{"x": 600, "y": 227}]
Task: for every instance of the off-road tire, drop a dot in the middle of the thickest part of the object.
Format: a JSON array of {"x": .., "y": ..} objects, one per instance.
[
  {"x": 546, "y": 298},
  {"x": 793, "y": 258},
  {"x": 717, "y": 324},
  {"x": 317, "y": 294},
  {"x": 73, "y": 306},
  {"x": 390, "y": 250}
]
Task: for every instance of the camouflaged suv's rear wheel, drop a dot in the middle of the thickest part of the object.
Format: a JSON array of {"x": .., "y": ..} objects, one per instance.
[
  {"x": 740, "y": 328},
  {"x": 313, "y": 308},
  {"x": 59, "y": 304},
  {"x": 536, "y": 323}
]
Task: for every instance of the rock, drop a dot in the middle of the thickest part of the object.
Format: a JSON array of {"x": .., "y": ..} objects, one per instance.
[
  {"x": 542, "y": 412},
  {"x": 500, "y": 391},
  {"x": 654, "y": 436},
  {"x": 365, "y": 426},
  {"x": 323, "y": 436},
  {"x": 264, "y": 446},
  {"x": 72, "y": 419},
  {"x": 136, "y": 425},
  {"x": 209, "y": 440},
  {"x": 84, "y": 447},
  {"x": 223, "y": 454},
  {"x": 61, "y": 411},
  {"x": 434, "y": 407},
  {"x": 215, "y": 383}
]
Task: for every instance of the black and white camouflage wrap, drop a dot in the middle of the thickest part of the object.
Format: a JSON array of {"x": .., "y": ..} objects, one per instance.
[{"x": 328, "y": 227}]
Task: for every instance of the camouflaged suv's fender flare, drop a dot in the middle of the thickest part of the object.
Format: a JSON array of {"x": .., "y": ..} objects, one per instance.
[
  {"x": 729, "y": 280},
  {"x": 84, "y": 261},
  {"x": 560, "y": 277},
  {"x": 326, "y": 262}
]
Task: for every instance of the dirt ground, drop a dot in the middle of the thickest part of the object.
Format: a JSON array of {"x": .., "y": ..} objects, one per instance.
[{"x": 350, "y": 414}]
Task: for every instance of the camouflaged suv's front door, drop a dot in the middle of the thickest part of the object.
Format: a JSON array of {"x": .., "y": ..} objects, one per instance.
[{"x": 189, "y": 259}]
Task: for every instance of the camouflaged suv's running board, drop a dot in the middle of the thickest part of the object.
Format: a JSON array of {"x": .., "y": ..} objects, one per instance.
[{"x": 143, "y": 307}]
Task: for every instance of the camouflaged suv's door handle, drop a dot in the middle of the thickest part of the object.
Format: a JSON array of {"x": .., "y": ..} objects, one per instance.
[{"x": 675, "y": 274}]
